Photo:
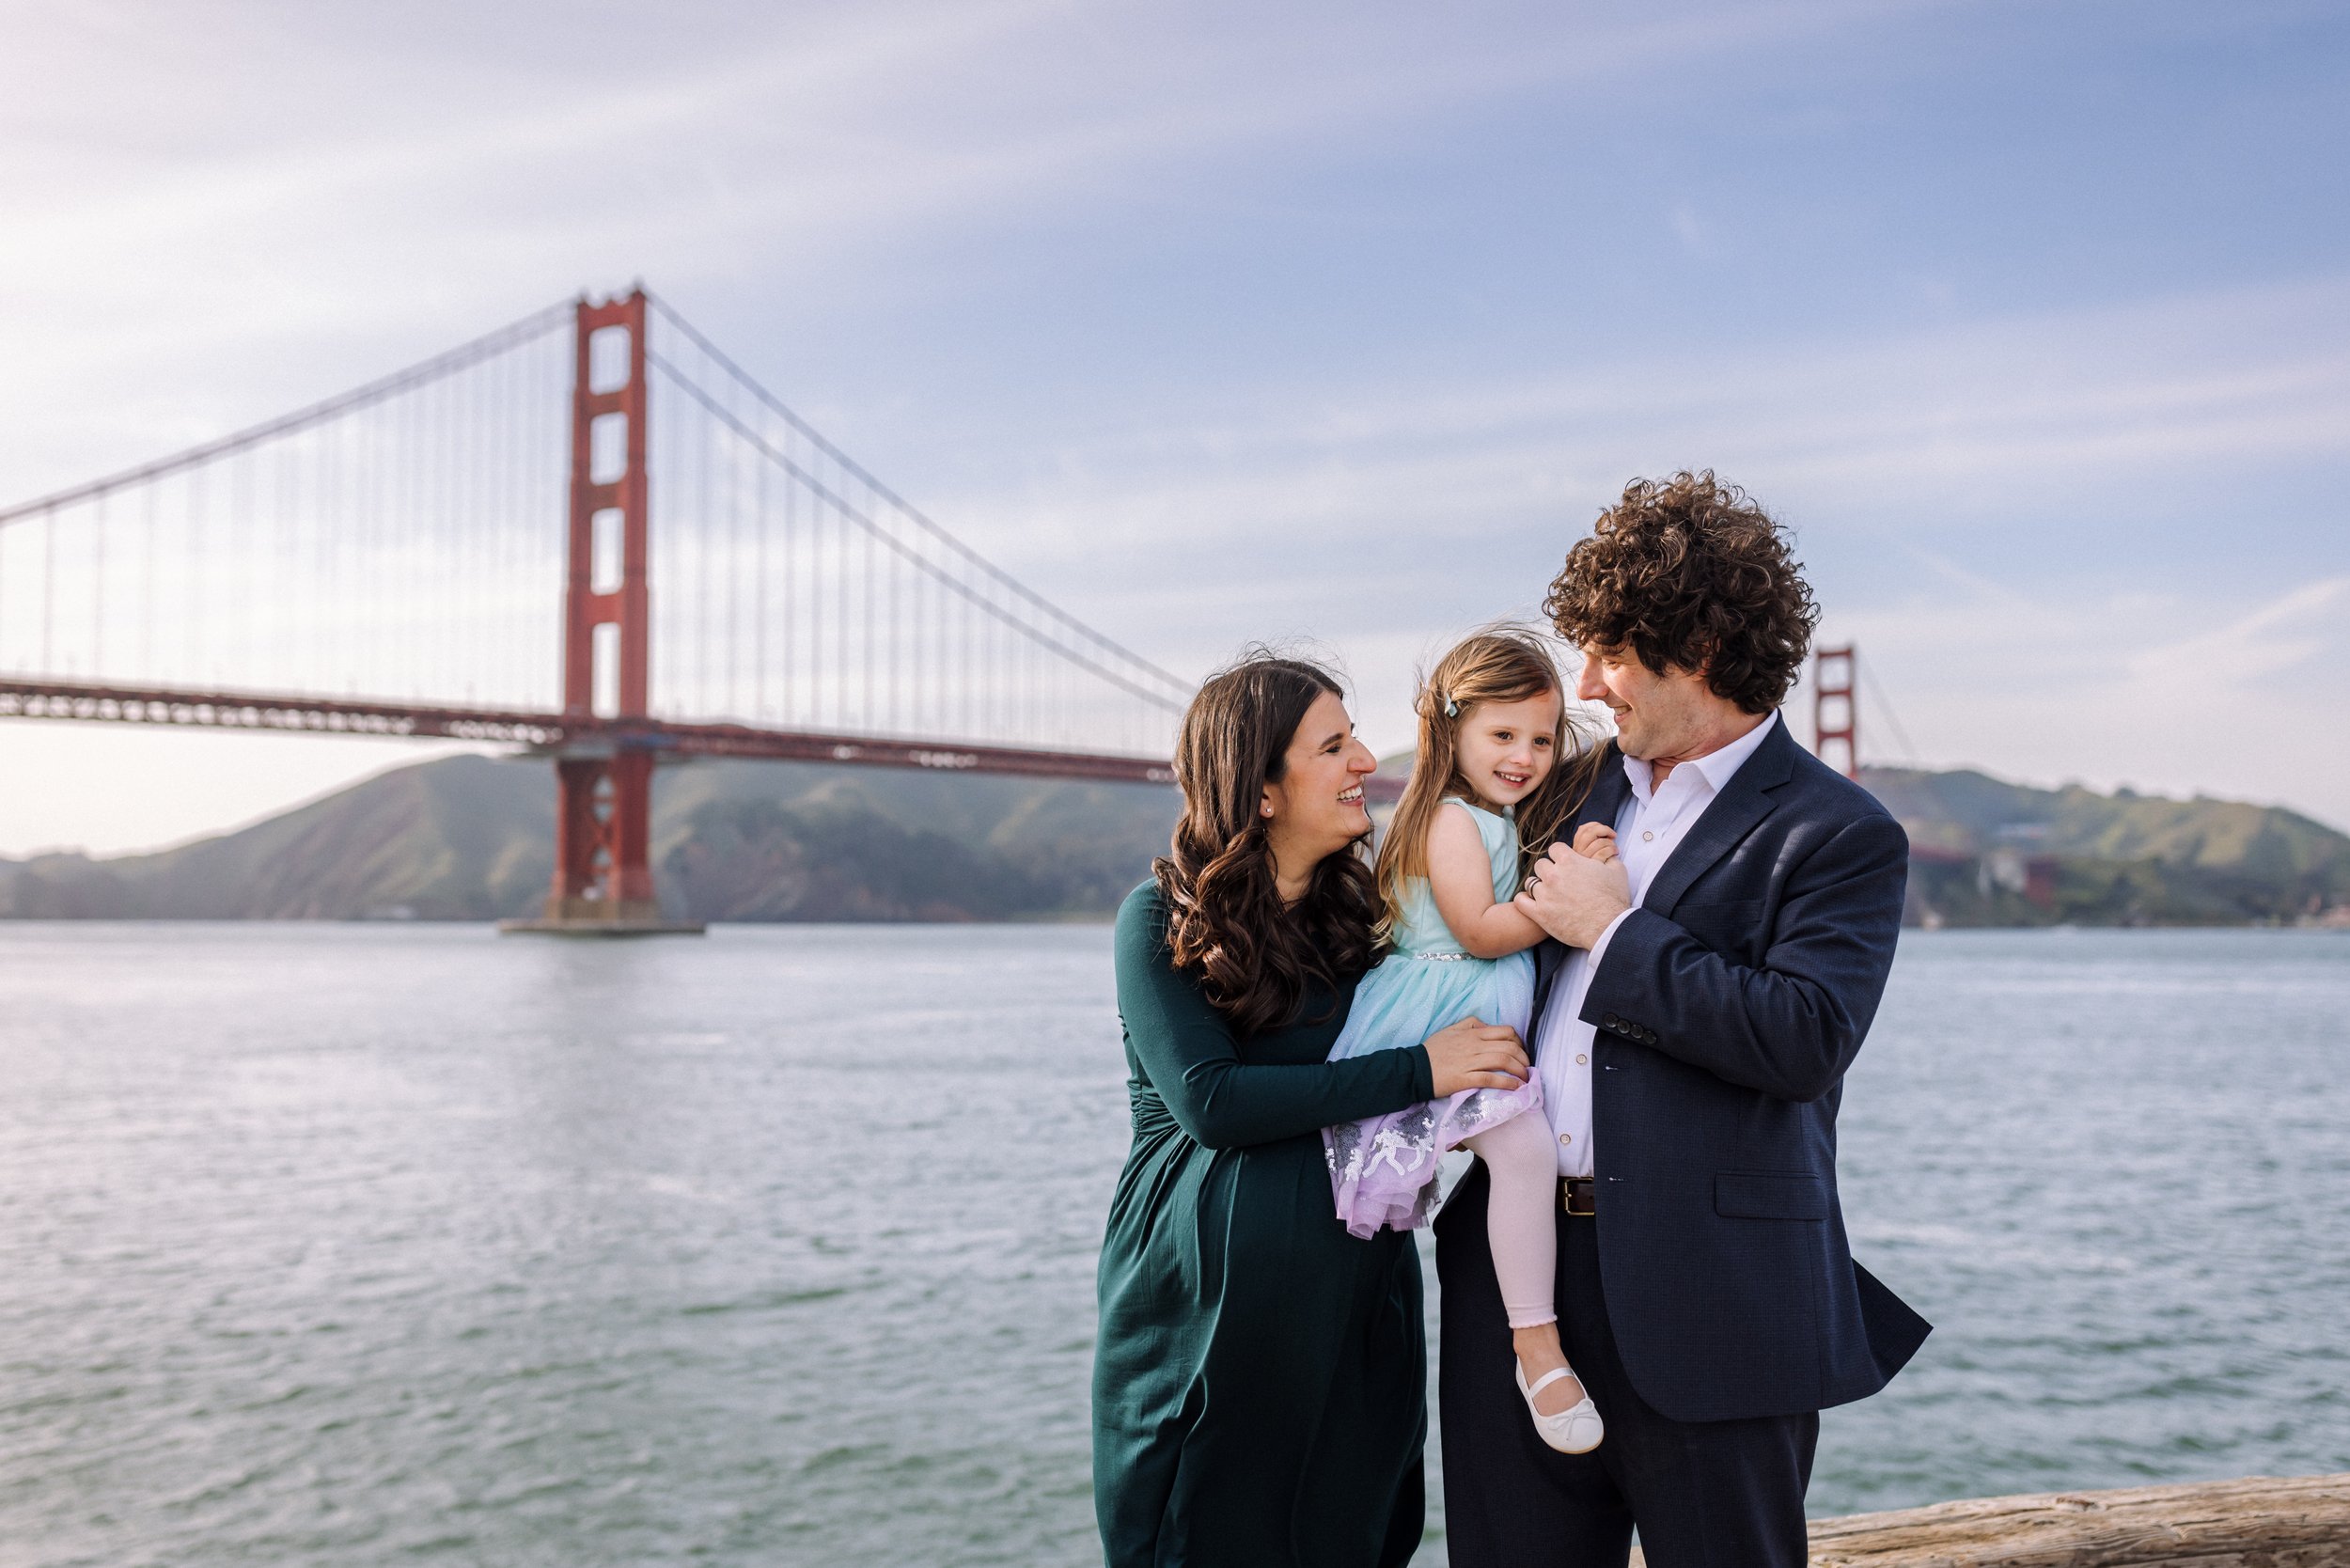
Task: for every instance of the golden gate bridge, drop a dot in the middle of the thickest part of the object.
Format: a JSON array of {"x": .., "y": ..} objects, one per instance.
[
  {"x": 466, "y": 549},
  {"x": 399, "y": 560}
]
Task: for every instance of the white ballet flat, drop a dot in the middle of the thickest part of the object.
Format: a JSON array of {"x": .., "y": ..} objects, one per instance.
[{"x": 1576, "y": 1429}]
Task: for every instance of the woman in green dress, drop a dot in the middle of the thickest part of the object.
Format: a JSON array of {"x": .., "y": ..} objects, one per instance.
[{"x": 1260, "y": 1380}]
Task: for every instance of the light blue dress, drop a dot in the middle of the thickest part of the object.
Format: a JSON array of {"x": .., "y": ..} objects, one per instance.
[{"x": 1383, "y": 1169}]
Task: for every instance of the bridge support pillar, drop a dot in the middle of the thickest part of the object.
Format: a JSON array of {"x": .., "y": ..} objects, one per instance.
[
  {"x": 603, "y": 881},
  {"x": 603, "y": 825},
  {"x": 1835, "y": 710}
]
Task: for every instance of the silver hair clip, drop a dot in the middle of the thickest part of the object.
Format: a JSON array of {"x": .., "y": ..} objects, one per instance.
[{"x": 1451, "y": 709}]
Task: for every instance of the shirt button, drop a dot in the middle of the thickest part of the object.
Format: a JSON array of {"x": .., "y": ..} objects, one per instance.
[
  {"x": 1566, "y": 1138},
  {"x": 1648, "y": 838},
  {"x": 1582, "y": 1060}
]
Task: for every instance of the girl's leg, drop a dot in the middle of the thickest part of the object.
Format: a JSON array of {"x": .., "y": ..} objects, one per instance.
[{"x": 1521, "y": 1226}]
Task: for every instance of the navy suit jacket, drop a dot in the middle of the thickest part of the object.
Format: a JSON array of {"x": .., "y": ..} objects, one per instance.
[{"x": 1729, "y": 1006}]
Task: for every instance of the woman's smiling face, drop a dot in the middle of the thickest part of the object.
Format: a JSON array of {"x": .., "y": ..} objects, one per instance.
[{"x": 1316, "y": 808}]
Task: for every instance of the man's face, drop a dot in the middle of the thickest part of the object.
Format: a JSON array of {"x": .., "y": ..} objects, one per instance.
[{"x": 1659, "y": 717}]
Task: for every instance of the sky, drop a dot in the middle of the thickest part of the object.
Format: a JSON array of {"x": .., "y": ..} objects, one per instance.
[{"x": 1325, "y": 324}]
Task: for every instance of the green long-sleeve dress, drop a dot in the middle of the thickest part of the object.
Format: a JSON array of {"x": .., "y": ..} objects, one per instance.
[{"x": 1259, "y": 1381}]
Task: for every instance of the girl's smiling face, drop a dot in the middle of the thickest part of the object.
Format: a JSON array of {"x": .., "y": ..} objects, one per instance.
[{"x": 1504, "y": 750}]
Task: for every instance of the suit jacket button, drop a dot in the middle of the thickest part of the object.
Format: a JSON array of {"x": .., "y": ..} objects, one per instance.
[{"x": 1611, "y": 1022}]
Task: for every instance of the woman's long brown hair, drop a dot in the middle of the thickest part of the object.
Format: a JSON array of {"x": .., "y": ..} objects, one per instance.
[
  {"x": 1502, "y": 664},
  {"x": 1254, "y": 956}
]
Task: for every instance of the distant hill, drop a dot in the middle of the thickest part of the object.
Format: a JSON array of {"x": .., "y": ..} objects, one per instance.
[
  {"x": 1990, "y": 853},
  {"x": 1987, "y": 853},
  {"x": 470, "y": 838},
  {"x": 462, "y": 837}
]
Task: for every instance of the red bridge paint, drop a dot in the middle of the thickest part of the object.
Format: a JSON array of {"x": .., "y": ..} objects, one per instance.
[
  {"x": 559, "y": 733},
  {"x": 999, "y": 654}
]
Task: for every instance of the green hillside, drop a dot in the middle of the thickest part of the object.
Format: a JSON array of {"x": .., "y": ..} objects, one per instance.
[
  {"x": 470, "y": 838},
  {"x": 2118, "y": 859},
  {"x": 791, "y": 841},
  {"x": 459, "y": 838}
]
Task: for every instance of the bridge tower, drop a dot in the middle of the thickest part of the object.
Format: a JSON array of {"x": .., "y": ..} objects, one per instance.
[
  {"x": 1835, "y": 711},
  {"x": 603, "y": 881}
]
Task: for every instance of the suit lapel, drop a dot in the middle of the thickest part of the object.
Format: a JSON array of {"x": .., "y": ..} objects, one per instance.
[
  {"x": 1605, "y": 799},
  {"x": 1728, "y": 819},
  {"x": 1602, "y": 804}
]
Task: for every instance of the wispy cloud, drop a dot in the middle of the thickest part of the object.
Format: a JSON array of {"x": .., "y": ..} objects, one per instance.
[
  {"x": 189, "y": 240},
  {"x": 2034, "y": 410},
  {"x": 218, "y": 211},
  {"x": 2290, "y": 630},
  {"x": 2106, "y": 691},
  {"x": 1388, "y": 519}
]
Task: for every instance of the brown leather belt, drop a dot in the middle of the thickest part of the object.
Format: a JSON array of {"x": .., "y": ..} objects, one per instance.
[{"x": 1577, "y": 1195}]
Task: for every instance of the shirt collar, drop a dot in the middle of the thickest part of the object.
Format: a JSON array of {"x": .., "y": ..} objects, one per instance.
[{"x": 1716, "y": 767}]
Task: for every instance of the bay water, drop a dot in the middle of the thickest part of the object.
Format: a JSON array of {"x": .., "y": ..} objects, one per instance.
[{"x": 375, "y": 1244}]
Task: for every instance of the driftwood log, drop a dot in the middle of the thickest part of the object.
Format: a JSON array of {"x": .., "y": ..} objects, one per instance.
[{"x": 2302, "y": 1522}]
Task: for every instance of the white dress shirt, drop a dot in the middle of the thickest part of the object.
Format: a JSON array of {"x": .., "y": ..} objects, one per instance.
[{"x": 1651, "y": 825}]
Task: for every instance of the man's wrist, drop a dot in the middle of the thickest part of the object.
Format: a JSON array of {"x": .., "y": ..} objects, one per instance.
[{"x": 1603, "y": 924}]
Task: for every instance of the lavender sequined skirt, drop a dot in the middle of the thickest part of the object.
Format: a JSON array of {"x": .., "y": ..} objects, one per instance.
[{"x": 1383, "y": 1169}]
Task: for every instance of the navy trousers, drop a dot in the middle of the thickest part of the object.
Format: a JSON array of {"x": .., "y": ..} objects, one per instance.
[{"x": 1704, "y": 1494}]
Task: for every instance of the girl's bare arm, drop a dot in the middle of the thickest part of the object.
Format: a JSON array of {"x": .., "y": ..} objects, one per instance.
[{"x": 1462, "y": 879}]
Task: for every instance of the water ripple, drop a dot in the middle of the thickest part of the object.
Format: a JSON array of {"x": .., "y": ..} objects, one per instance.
[{"x": 386, "y": 1246}]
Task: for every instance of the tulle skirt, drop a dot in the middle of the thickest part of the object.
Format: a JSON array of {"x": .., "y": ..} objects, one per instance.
[{"x": 1383, "y": 1169}]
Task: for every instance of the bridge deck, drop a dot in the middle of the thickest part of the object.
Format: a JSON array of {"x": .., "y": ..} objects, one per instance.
[{"x": 23, "y": 696}]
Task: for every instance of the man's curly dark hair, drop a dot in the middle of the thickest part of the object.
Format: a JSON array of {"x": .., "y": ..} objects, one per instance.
[{"x": 1690, "y": 574}]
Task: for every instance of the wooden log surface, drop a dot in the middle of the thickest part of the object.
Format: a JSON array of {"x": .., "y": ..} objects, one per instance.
[{"x": 2260, "y": 1522}]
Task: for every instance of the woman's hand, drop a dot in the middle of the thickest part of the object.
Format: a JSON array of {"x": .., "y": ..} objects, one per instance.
[{"x": 1470, "y": 1055}]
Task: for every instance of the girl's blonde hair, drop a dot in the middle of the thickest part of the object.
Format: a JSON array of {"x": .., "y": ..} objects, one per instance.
[{"x": 1501, "y": 664}]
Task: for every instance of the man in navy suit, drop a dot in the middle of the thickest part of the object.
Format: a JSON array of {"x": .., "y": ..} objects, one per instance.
[{"x": 1710, "y": 976}]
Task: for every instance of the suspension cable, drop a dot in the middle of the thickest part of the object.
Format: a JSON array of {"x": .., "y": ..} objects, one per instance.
[
  {"x": 911, "y": 512},
  {"x": 456, "y": 359}
]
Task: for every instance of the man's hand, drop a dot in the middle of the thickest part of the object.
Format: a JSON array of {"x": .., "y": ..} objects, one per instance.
[{"x": 1574, "y": 898}]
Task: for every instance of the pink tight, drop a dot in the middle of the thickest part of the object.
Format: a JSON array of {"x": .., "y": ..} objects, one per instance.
[{"x": 1522, "y": 1214}]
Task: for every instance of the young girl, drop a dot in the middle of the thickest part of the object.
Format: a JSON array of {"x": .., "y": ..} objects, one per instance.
[{"x": 1493, "y": 725}]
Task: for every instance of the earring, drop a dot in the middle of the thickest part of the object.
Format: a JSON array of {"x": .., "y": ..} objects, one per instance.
[{"x": 1264, "y": 809}]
